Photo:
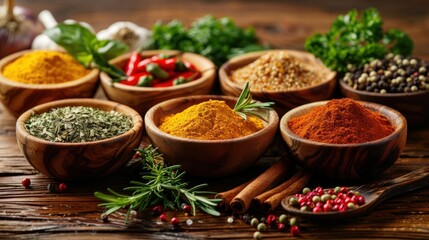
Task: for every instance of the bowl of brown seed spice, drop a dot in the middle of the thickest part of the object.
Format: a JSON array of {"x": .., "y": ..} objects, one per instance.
[{"x": 287, "y": 77}]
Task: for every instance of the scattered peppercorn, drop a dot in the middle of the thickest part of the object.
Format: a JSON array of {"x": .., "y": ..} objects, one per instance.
[
  {"x": 163, "y": 217},
  {"x": 175, "y": 221},
  {"x": 294, "y": 231},
  {"x": 186, "y": 208},
  {"x": 261, "y": 227},
  {"x": 26, "y": 182},
  {"x": 257, "y": 235},
  {"x": 393, "y": 74},
  {"x": 157, "y": 210},
  {"x": 62, "y": 187},
  {"x": 230, "y": 220}
]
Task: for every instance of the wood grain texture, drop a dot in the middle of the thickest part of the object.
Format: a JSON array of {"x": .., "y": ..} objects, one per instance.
[
  {"x": 143, "y": 98},
  {"x": 79, "y": 161},
  {"x": 414, "y": 106},
  {"x": 213, "y": 158},
  {"x": 35, "y": 213},
  {"x": 19, "y": 97},
  {"x": 287, "y": 99},
  {"x": 346, "y": 161}
]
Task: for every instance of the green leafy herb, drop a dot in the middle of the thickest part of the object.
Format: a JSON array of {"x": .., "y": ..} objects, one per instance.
[
  {"x": 357, "y": 41},
  {"x": 84, "y": 46},
  {"x": 160, "y": 185},
  {"x": 246, "y": 106},
  {"x": 214, "y": 38}
]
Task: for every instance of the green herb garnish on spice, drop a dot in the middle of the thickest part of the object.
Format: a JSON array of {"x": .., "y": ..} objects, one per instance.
[
  {"x": 246, "y": 106},
  {"x": 353, "y": 41},
  {"x": 84, "y": 46},
  {"x": 217, "y": 39},
  {"x": 160, "y": 185}
]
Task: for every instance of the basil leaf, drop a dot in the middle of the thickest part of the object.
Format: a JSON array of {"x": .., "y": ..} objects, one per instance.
[
  {"x": 109, "y": 48},
  {"x": 75, "y": 39}
]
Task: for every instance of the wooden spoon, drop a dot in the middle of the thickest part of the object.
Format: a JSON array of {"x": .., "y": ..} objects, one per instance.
[{"x": 373, "y": 193}]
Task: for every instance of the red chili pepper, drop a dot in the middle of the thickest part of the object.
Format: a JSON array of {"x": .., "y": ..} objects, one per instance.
[
  {"x": 167, "y": 83},
  {"x": 190, "y": 66},
  {"x": 141, "y": 66},
  {"x": 168, "y": 64},
  {"x": 134, "y": 79},
  {"x": 131, "y": 67}
]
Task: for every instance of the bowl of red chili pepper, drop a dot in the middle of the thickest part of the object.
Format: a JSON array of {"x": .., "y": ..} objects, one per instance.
[
  {"x": 157, "y": 75},
  {"x": 343, "y": 138}
]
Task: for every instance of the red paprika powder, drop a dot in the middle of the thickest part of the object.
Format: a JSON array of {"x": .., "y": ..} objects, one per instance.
[{"x": 341, "y": 121}]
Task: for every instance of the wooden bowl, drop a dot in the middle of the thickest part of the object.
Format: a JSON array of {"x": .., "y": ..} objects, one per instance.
[
  {"x": 19, "y": 97},
  {"x": 79, "y": 161},
  {"x": 346, "y": 161},
  {"x": 207, "y": 158},
  {"x": 414, "y": 106},
  {"x": 143, "y": 98},
  {"x": 285, "y": 100}
]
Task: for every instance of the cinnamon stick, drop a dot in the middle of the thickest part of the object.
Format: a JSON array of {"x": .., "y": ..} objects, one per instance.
[
  {"x": 274, "y": 201},
  {"x": 241, "y": 202},
  {"x": 260, "y": 199},
  {"x": 227, "y": 196}
]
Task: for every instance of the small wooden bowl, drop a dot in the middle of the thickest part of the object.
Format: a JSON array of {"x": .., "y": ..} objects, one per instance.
[
  {"x": 285, "y": 100},
  {"x": 143, "y": 98},
  {"x": 79, "y": 161},
  {"x": 19, "y": 97},
  {"x": 346, "y": 161},
  {"x": 208, "y": 158},
  {"x": 414, "y": 106}
]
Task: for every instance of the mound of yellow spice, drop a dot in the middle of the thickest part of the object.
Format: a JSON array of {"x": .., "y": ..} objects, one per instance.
[
  {"x": 210, "y": 120},
  {"x": 44, "y": 67}
]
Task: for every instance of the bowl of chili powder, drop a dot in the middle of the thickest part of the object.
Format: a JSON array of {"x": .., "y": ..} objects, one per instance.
[{"x": 343, "y": 138}]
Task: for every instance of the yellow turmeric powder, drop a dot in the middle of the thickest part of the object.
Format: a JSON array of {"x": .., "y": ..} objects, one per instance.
[
  {"x": 44, "y": 67},
  {"x": 210, "y": 120}
]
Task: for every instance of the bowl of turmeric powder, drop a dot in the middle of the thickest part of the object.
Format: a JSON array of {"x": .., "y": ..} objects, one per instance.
[
  {"x": 343, "y": 138},
  {"x": 206, "y": 137},
  {"x": 32, "y": 77}
]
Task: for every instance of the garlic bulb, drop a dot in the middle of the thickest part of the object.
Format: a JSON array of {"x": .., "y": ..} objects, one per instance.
[{"x": 134, "y": 36}]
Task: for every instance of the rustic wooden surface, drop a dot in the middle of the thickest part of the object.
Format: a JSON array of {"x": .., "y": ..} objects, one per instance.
[{"x": 36, "y": 213}]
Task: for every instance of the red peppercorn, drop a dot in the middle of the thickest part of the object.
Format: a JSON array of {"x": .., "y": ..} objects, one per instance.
[
  {"x": 361, "y": 200},
  {"x": 175, "y": 221},
  {"x": 281, "y": 226},
  {"x": 157, "y": 210},
  {"x": 317, "y": 209},
  {"x": 344, "y": 190},
  {"x": 271, "y": 219},
  {"x": 62, "y": 187},
  {"x": 26, "y": 182},
  {"x": 163, "y": 217},
  {"x": 186, "y": 208},
  {"x": 319, "y": 204},
  {"x": 343, "y": 207},
  {"x": 294, "y": 231},
  {"x": 335, "y": 207},
  {"x": 350, "y": 194},
  {"x": 347, "y": 200},
  {"x": 327, "y": 207}
]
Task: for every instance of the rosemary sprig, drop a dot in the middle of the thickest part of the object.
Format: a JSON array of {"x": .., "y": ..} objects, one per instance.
[
  {"x": 246, "y": 106},
  {"x": 160, "y": 185}
]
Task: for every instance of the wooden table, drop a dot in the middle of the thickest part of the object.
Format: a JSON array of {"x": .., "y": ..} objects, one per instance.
[{"x": 36, "y": 213}]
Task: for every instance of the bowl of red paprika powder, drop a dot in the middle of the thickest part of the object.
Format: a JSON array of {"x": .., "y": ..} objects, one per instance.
[
  {"x": 344, "y": 139},
  {"x": 158, "y": 75}
]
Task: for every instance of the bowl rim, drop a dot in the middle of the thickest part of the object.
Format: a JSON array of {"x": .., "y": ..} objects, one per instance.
[
  {"x": 149, "y": 123},
  {"x": 93, "y": 74},
  {"x": 223, "y": 76},
  {"x": 135, "y": 117},
  {"x": 206, "y": 74},
  {"x": 346, "y": 87},
  {"x": 284, "y": 127}
]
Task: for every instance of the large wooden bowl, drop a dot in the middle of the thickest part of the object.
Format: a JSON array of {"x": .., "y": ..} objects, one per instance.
[
  {"x": 19, "y": 97},
  {"x": 79, "y": 161},
  {"x": 207, "y": 158},
  {"x": 284, "y": 100},
  {"x": 346, "y": 161},
  {"x": 143, "y": 98},
  {"x": 414, "y": 106}
]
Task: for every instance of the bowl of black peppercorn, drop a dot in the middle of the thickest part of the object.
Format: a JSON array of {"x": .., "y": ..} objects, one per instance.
[{"x": 401, "y": 83}]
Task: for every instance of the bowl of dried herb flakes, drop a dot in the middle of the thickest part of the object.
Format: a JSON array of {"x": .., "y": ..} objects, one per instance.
[
  {"x": 77, "y": 139},
  {"x": 289, "y": 78}
]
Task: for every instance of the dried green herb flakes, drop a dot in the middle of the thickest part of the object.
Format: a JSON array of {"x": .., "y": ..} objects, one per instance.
[{"x": 78, "y": 124}]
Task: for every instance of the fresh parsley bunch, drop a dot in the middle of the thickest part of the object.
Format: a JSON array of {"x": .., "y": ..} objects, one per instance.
[
  {"x": 357, "y": 41},
  {"x": 217, "y": 39}
]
